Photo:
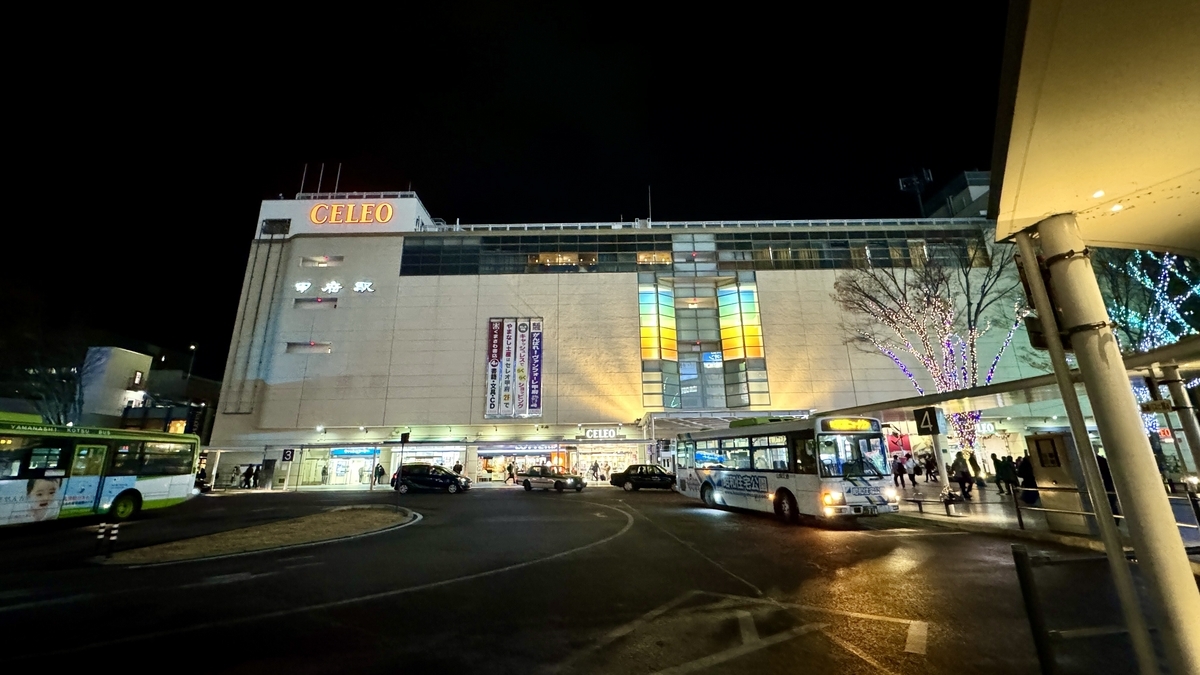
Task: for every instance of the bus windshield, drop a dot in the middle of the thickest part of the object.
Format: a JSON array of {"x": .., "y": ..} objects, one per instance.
[{"x": 850, "y": 455}]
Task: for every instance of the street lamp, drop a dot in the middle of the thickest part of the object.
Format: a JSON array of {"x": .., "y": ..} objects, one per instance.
[{"x": 191, "y": 362}]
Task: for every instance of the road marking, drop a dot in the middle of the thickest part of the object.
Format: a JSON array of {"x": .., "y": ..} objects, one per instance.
[
  {"x": 740, "y": 650},
  {"x": 695, "y": 550},
  {"x": 918, "y": 632},
  {"x": 647, "y": 617},
  {"x": 49, "y": 601},
  {"x": 346, "y": 601},
  {"x": 296, "y": 557},
  {"x": 883, "y": 533},
  {"x": 233, "y": 578},
  {"x": 746, "y": 625},
  {"x": 857, "y": 652},
  {"x": 302, "y": 565},
  {"x": 841, "y": 612}
]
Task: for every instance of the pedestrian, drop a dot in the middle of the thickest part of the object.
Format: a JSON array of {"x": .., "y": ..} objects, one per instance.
[
  {"x": 931, "y": 470},
  {"x": 961, "y": 472},
  {"x": 324, "y": 474},
  {"x": 1109, "y": 488},
  {"x": 1028, "y": 482},
  {"x": 1008, "y": 471},
  {"x": 254, "y": 477},
  {"x": 596, "y": 470},
  {"x": 247, "y": 476},
  {"x": 235, "y": 476},
  {"x": 976, "y": 474},
  {"x": 604, "y": 471},
  {"x": 911, "y": 467},
  {"x": 898, "y": 471},
  {"x": 512, "y": 474},
  {"x": 457, "y": 467},
  {"x": 997, "y": 465}
]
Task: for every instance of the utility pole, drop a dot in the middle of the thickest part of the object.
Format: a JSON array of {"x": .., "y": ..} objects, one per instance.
[
  {"x": 191, "y": 362},
  {"x": 916, "y": 184}
]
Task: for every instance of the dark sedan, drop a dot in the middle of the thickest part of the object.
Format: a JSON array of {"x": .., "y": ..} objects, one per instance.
[
  {"x": 638, "y": 476},
  {"x": 429, "y": 477}
]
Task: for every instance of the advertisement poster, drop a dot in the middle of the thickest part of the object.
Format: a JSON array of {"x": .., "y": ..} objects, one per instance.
[
  {"x": 495, "y": 328},
  {"x": 521, "y": 383},
  {"x": 30, "y": 501},
  {"x": 513, "y": 353},
  {"x": 535, "y": 368},
  {"x": 509, "y": 365}
]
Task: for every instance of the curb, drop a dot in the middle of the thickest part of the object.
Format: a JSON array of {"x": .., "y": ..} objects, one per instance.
[
  {"x": 1034, "y": 535},
  {"x": 413, "y": 517}
]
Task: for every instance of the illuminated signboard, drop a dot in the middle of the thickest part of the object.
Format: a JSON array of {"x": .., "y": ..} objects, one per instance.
[
  {"x": 849, "y": 424},
  {"x": 339, "y": 214}
]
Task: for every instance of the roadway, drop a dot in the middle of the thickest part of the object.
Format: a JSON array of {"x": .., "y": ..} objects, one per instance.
[{"x": 500, "y": 580}]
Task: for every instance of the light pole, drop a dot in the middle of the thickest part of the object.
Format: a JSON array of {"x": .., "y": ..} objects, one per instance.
[{"x": 191, "y": 362}]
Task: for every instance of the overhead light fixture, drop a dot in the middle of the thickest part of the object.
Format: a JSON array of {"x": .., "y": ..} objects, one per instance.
[
  {"x": 1097, "y": 194},
  {"x": 1008, "y": 418},
  {"x": 362, "y": 428},
  {"x": 1116, "y": 207},
  {"x": 320, "y": 428}
]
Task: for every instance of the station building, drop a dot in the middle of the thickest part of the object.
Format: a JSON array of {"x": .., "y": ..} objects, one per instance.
[{"x": 363, "y": 321}]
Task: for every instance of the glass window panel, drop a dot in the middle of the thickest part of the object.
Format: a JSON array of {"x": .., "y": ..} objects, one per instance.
[
  {"x": 758, "y": 387},
  {"x": 652, "y": 387},
  {"x": 652, "y": 400},
  {"x": 753, "y": 352},
  {"x": 737, "y": 353},
  {"x": 760, "y": 399},
  {"x": 649, "y": 353}
]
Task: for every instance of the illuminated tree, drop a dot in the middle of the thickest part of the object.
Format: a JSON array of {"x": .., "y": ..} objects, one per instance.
[{"x": 932, "y": 312}]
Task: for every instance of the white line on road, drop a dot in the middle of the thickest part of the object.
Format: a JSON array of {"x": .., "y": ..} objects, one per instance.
[
  {"x": 646, "y": 618},
  {"x": 857, "y": 652},
  {"x": 346, "y": 601},
  {"x": 740, "y": 650},
  {"x": 50, "y": 601},
  {"x": 746, "y": 625},
  {"x": 918, "y": 632}
]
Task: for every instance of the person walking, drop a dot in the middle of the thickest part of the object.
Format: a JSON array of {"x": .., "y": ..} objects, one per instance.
[
  {"x": 1025, "y": 474},
  {"x": 254, "y": 477},
  {"x": 910, "y": 466},
  {"x": 976, "y": 474},
  {"x": 596, "y": 470},
  {"x": 898, "y": 471},
  {"x": 380, "y": 472},
  {"x": 324, "y": 474},
  {"x": 931, "y": 470},
  {"x": 457, "y": 467},
  {"x": 1008, "y": 471},
  {"x": 512, "y": 474},
  {"x": 246, "y": 476},
  {"x": 997, "y": 468},
  {"x": 961, "y": 471}
]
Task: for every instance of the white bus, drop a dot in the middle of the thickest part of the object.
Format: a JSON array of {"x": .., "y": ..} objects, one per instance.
[{"x": 827, "y": 467}]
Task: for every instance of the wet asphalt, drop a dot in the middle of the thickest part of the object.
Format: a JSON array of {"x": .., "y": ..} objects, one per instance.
[{"x": 500, "y": 580}]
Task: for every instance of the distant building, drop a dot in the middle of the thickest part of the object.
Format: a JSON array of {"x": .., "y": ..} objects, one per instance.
[{"x": 965, "y": 196}]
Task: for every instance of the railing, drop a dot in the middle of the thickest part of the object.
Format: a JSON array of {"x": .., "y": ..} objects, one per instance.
[
  {"x": 923, "y": 223},
  {"x": 1191, "y": 498},
  {"x": 356, "y": 195}
]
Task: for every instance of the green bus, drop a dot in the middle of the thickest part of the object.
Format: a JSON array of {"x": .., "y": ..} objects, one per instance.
[{"x": 49, "y": 472}]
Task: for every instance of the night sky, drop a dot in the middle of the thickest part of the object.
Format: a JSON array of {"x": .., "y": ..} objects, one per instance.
[{"x": 493, "y": 115}]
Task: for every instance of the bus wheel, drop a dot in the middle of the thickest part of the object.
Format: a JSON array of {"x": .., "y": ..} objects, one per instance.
[
  {"x": 785, "y": 507},
  {"x": 125, "y": 506},
  {"x": 706, "y": 496}
]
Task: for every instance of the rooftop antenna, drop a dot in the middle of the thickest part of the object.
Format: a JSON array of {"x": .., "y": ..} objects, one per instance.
[
  {"x": 916, "y": 184},
  {"x": 320, "y": 177},
  {"x": 337, "y": 180},
  {"x": 303, "y": 176}
]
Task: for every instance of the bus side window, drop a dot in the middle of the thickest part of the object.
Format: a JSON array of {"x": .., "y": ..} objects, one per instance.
[
  {"x": 806, "y": 456},
  {"x": 127, "y": 460}
]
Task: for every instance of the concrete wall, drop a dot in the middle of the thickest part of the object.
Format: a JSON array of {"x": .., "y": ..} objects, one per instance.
[{"x": 108, "y": 374}]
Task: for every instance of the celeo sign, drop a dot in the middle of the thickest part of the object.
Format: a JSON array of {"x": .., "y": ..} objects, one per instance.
[
  {"x": 343, "y": 214},
  {"x": 599, "y": 433},
  {"x": 514, "y": 368}
]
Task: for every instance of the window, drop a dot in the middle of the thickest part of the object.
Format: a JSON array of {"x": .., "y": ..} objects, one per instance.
[
  {"x": 24, "y": 457},
  {"x": 314, "y": 303},
  {"x": 166, "y": 459},
  {"x": 738, "y": 451},
  {"x": 322, "y": 260},
  {"x": 806, "y": 456},
  {"x": 127, "y": 460},
  {"x": 654, "y": 258},
  {"x": 309, "y": 347},
  {"x": 683, "y": 455}
]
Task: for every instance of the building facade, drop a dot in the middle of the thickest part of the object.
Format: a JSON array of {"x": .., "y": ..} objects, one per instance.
[{"x": 362, "y": 319}]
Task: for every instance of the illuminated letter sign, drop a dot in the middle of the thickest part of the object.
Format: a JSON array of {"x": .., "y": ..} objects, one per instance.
[{"x": 346, "y": 214}]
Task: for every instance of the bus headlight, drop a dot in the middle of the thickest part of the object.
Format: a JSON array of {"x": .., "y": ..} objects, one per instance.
[
  {"x": 828, "y": 511},
  {"x": 831, "y": 498},
  {"x": 890, "y": 494}
]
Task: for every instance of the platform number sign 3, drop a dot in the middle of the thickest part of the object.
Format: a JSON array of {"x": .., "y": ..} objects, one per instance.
[
  {"x": 930, "y": 421},
  {"x": 288, "y": 454}
]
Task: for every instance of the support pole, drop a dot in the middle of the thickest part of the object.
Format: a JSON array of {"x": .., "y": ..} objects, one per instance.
[
  {"x": 1160, "y": 553},
  {"x": 1093, "y": 481},
  {"x": 943, "y": 476},
  {"x": 1187, "y": 414}
]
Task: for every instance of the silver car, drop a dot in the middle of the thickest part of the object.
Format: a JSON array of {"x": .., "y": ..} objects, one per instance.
[{"x": 547, "y": 477}]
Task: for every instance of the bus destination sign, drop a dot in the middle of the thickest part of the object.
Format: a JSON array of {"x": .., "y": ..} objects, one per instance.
[{"x": 849, "y": 424}]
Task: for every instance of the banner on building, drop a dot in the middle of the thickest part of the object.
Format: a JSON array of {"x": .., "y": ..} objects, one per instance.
[
  {"x": 495, "y": 329},
  {"x": 514, "y": 368}
]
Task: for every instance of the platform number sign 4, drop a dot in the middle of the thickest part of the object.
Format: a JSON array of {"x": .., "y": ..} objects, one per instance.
[{"x": 930, "y": 421}]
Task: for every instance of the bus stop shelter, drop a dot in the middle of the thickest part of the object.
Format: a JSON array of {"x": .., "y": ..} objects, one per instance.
[{"x": 1097, "y": 144}]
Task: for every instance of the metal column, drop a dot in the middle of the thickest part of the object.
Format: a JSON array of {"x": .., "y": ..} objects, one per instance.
[
  {"x": 1159, "y": 547},
  {"x": 1135, "y": 623},
  {"x": 1187, "y": 414}
]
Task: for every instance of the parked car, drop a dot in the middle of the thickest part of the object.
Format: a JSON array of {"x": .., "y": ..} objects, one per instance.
[
  {"x": 430, "y": 477},
  {"x": 638, "y": 476},
  {"x": 546, "y": 477}
]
